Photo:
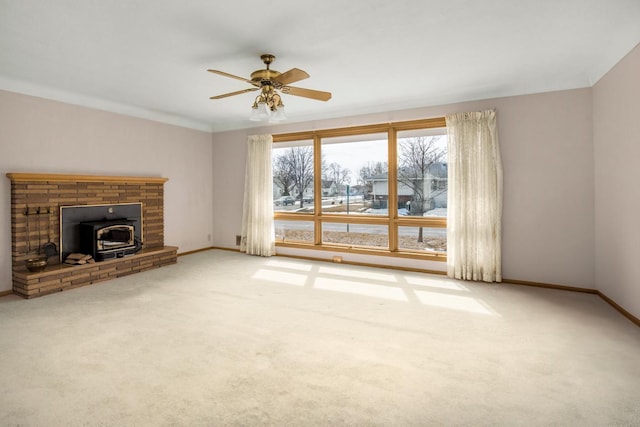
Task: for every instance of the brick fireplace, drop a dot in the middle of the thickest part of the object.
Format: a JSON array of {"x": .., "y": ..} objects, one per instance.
[{"x": 36, "y": 200}]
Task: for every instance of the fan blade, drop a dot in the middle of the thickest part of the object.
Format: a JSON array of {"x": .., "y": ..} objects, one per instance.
[
  {"x": 238, "y": 92},
  {"x": 291, "y": 76},
  {"x": 307, "y": 93},
  {"x": 222, "y": 73}
]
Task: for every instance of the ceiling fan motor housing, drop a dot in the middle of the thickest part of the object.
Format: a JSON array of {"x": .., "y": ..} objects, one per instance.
[
  {"x": 262, "y": 75},
  {"x": 269, "y": 81}
]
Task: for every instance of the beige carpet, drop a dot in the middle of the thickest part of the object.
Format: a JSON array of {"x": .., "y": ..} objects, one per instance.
[{"x": 227, "y": 339}]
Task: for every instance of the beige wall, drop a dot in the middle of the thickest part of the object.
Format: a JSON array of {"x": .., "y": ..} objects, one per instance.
[
  {"x": 616, "y": 130},
  {"x": 38, "y": 135},
  {"x": 547, "y": 150},
  {"x": 551, "y": 232}
]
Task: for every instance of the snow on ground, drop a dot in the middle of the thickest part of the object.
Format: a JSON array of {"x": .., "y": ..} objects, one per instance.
[
  {"x": 441, "y": 212},
  {"x": 436, "y": 212}
]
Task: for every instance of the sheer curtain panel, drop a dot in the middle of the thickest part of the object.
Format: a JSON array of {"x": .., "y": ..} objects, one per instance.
[
  {"x": 258, "y": 236},
  {"x": 474, "y": 202}
]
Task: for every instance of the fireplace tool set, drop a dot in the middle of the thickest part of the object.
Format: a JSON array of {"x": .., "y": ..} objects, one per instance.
[{"x": 49, "y": 248}]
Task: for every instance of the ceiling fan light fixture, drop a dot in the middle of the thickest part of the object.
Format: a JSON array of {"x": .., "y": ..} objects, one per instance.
[
  {"x": 268, "y": 105},
  {"x": 260, "y": 111},
  {"x": 254, "y": 114},
  {"x": 279, "y": 114}
]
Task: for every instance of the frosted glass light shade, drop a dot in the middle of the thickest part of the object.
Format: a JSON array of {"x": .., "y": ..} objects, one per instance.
[{"x": 279, "y": 115}]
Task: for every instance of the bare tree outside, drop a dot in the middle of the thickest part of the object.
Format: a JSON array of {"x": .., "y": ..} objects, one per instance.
[
  {"x": 420, "y": 166},
  {"x": 300, "y": 161},
  {"x": 338, "y": 174},
  {"x": 283, "y": 175},
  {"x": 293, "y": 171}
]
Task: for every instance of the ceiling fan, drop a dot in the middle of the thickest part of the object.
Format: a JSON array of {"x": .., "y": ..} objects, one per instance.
[{"x": 269, "y": 103}]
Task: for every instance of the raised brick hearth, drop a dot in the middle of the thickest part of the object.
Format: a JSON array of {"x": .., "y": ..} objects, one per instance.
[{"x": 47, "y": 192}]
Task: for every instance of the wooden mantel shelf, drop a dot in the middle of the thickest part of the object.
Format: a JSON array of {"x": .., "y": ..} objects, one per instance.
[{"x": 44, "y": 177}]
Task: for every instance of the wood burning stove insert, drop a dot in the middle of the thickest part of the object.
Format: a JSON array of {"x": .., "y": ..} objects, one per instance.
[
  {"x": 108, "y": 239},
  {"x": 103, "y": 231}
]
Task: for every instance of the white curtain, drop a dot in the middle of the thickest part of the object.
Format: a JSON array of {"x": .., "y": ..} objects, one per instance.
[
  {"x": 474, "y": 211},
  {"x": 258, "y": 236}
]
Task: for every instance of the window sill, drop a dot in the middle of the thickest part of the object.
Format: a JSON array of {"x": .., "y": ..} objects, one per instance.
[{"x": 428, "y": 256}]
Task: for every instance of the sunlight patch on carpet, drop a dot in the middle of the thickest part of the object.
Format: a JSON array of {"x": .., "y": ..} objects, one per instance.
[
  {"x": 454, "y": 302},
  {"x": 288, "y": 265},
  {"x": 435, "y": 283},
  {"x": 365, "y": 289},
  {"x": 358, "y": 274},
  {"x": 277, "y": 276}
]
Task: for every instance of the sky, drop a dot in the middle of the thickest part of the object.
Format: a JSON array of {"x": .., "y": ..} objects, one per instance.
[{"x": 353, "y": 155}]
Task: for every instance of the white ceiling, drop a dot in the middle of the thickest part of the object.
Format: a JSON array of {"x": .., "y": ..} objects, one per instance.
[{"x": 148, "y": 58}]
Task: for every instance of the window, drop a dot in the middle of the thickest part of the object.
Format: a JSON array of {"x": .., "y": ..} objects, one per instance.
[
  {"x": 422, "y": 173},
  {"x": 430, "y": 239},
  {"x": 370, "y": 189},
  {"x": 293, "y": 172},
  {"x": 352, "y": 172},
  {"x": 294, "y": 231},
  {"x": 365, "y": 235}
]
